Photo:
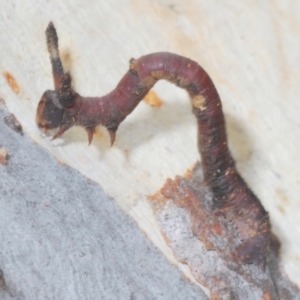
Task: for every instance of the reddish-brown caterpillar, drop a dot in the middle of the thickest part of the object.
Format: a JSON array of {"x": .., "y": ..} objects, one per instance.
[{"x": 65, "y": 108}]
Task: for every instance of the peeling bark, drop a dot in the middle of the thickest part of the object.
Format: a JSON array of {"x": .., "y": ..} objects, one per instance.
[{"x": 206, "y": 239}]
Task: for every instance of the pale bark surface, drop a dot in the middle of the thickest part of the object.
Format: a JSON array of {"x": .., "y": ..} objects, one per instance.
[{"x": 251, "y": 51}]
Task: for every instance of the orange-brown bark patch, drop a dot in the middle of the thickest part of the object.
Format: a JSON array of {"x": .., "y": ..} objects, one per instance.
[
  {"x": 152, "y": 99},
  {"x": 12, "y": 82}
]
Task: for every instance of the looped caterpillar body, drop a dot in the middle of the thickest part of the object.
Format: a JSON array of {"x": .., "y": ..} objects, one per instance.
[{"x": 63, "y": 108}]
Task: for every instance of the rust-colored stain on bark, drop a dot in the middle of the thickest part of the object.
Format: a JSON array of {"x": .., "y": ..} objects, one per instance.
[
  {"x": 228, "y": 233},
  {"x": 153, "y": 100},
  {"x": 188, "y": 173},
  {"x": 12, "y": 82},
  {"x": 3, "y": 156},
  {"x": 267, "y": 296},
  {"x": 208, "y": 222}
]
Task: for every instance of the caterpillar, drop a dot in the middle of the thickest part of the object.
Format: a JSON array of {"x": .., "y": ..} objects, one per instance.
[{"x": 63, "y": 108}]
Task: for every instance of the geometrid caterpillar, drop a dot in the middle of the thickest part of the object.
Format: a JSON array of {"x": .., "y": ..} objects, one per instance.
[{"x": 63, "y": 108}]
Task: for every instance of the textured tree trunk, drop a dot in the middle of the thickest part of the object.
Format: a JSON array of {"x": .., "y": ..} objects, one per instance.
[{"x": 62, "y": 236}]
